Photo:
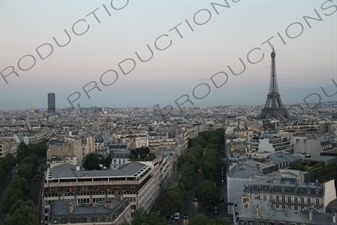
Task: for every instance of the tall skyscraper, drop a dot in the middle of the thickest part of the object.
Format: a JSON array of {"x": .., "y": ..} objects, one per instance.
[
  {"x": 274, "y": 105},
  {"x": 51, "y": 103}
]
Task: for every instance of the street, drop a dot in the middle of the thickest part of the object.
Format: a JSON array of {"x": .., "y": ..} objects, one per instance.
[{"x": 192, "y": 208}]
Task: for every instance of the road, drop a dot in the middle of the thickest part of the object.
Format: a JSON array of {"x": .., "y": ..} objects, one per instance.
[{"x": 193, "y": 208}]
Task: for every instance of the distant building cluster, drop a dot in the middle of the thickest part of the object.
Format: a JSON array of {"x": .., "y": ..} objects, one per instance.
[{"x": 261, "y": 187}]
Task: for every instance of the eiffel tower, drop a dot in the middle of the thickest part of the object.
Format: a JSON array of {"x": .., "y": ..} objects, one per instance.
[{"x": 274, "y": 106}]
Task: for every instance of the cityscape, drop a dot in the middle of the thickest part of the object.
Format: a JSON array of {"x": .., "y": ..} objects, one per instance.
[
  {"x": 168, "y": 113},
  {"x": 268, "y": 164}
]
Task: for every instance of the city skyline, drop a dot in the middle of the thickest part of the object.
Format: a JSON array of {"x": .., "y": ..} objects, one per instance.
[{"x": 304, "y": 41}]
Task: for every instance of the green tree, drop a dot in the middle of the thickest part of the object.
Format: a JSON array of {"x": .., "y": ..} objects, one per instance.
[
  {"x": 91, "y": 162},
  {"x": 23, "y": 214},
  {"x": 106, "y": 161},
  {"x": 207, "y": 192},
  {"x": 199, "y": 219},
  {"x": 220, "y": 221},
  {"x": 22, "y": 152},
  {"x": 21, "y": 183},
  {"x": 172, "y": 199},
  {"x": 11, "y": 195},
  {"x": 142, "y": 218},
  {"x": 26, "y": 171}
]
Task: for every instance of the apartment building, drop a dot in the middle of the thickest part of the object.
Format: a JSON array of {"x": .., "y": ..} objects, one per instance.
[
  {"x": 134, "y": 181},
  {"x": 284, "y": 199},
  {"x": 270, "y": 143},
  {"x": 105, "y": 212},
  {"x": 311, "y": 145},
  {"x": 119, "y": 158},
  {"x": 62, "y": 148}
]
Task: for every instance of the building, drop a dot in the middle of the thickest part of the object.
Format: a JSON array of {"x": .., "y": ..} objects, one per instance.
[
  {"x": 270, "y": 143},
  {"x": 119, "y": 158},
  {"x": 103, "y": 212},
  {"x": 65, "y": 149},
  {"x": 51, "y": 103},
  {"x": 7, "y": 145},
  {"x": 134, "y": 181},
  {"x": 285, "y": 199},
  {"x": 311, "y": 145}
]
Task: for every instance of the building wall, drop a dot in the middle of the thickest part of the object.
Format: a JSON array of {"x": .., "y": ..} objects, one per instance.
[
  {"x": 265, "y": 146},
  {"x": 311, "y": 146},
  {"x": 90, "y": 145},
  {"x": 71, "y": 148},
  {"x": 330, "y": 192},
  {"x": 235, "y": 188}
]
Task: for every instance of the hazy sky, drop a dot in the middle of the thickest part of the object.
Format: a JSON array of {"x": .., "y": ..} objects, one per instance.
[{"x": 105, "y": 36}]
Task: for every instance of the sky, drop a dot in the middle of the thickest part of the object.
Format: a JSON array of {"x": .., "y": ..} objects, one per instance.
[{"x": 197, "y": 48}]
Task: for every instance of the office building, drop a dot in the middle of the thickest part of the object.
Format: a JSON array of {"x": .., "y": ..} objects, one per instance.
[{"x": 51, "y": 103}]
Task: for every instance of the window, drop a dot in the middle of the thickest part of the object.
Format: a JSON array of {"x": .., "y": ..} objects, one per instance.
[
  {"x": 277, "y": 198},
  {"x": 308, "y": 191},
  {"x": 283, "y": 199},
  {"x": 309, "y": 201},
  {"x": 277, "y": 206},
  {"x": 302, "y": 200},
  {"x": 289, "y": 198},
  {"x": 283, "y": 206},
  {"x": 295, "y": 199},
  {"x": 317, "y": 201},
  {"x": 265, "y": 197}
]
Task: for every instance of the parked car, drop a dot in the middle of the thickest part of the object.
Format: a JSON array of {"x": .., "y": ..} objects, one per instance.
[
  {"x": 195, "y": 199},
  {"x": 185, "y": 216},
  {"x": 177, "y": 216}
]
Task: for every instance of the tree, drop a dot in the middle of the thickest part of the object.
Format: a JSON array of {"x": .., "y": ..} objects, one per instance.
[
  {"x": 91, "y": 162},
  {"x": 20, "y": 183},
  {"x": 142, "y": 218},
  {"x": 26, "y": 171},
  {"x": 22, "y": 152},
  {"x": 200, "y": 219},
  {"x": 11, "y": 195},
  {"x": 23, "y": 214},
  {"x": 207, "y": 192},
  {"x": 172, "y": 199},
  {"x": 221, "y": 221}
]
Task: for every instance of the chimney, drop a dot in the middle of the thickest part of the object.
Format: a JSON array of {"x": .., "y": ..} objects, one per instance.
[
  {"x": 77, "y": 168},
  {"x": 288, "y": 213},
  {"x": 258, "y": 166},
  {"x": 108, "y": 204},
  {"x": 71, "y": 208},
  {"x": 310, "y": 213},
  {"x": 257, "y": 210},
  {"x": 301, "y": 177}
]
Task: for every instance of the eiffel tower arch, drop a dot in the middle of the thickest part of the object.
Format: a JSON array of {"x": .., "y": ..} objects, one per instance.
[{"x": 274, "y": 106}]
